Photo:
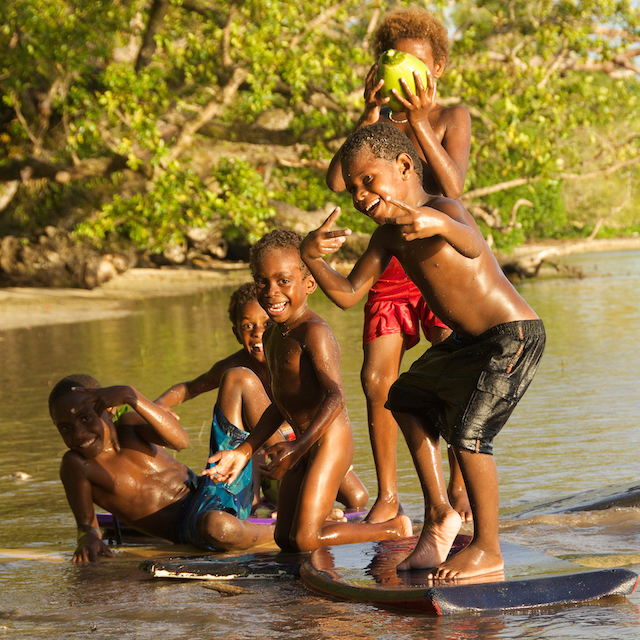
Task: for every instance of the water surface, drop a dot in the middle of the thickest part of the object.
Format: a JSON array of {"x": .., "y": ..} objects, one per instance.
[{"x": 575, "y": 430}]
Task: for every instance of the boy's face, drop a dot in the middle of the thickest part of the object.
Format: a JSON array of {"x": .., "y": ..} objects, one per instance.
[
  {"x": 421, "y": 50},
  {"x": 369, "y": 180},
  {"x": 250, "y": 327},
  {"x": 84, "y": 431},
  {"x": 282, "y": 288}
]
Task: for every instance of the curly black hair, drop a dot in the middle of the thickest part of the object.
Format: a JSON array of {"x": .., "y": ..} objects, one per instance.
[
  {"x": 412, "y": 23},
  {"x": 239, "y": 298},
  {"x": 64, "y": 386},
  {"x": 385, "y": 141},
  {"x": 274, "y": 240}
]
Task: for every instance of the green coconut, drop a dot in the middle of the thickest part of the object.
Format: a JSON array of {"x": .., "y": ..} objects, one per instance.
[{"x": 394, "y": 65}]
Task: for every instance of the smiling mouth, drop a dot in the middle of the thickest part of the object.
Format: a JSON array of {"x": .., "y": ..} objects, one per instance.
[
  {"x": 276, "y": 309},
  {"x": 369, "y": 209},
  {"x": 88, "y": 443}
]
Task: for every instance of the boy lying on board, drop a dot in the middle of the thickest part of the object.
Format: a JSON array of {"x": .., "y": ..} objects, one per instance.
[
  {"x": 123, "y": 467},
  {"x": 463, "y": 388},
  {"x": 303, "y": 359},
  {"x": 245, "y": 391}
]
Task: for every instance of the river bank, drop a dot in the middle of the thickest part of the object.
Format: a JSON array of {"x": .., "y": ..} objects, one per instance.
[{"x": 26, "y": 307}]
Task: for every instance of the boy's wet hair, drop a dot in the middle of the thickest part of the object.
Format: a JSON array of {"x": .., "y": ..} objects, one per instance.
[
  {"x": 64, "y": 386},
  {"x": 274, "y": 240},
  {"x": 385, "y": 141},
  {"x": 239, "y": 298},
  {"x": 413, "y": 23}
]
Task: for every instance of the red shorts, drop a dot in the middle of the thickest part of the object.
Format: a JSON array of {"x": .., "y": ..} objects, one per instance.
[{"x": 395, "y": 305}]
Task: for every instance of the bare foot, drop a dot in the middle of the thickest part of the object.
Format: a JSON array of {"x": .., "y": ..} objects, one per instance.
[
  {"x": 468, "y": 563},
  {"x": 460, "y": 502},
  {"x": 406, "y": 528},
  {"x": 336, "y": 515},
  {"x": 383, "y": 510},
  {"x": 434, "y": 543}
]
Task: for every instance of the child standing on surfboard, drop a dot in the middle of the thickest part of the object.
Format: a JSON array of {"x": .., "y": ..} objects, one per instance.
[
  {"x": 464, "y": 388},
  {"x": 303, "y": 359},
  {"x": 245, "y": 390},
  {"x": 122, "y": 466},
  {"x": 395, "y": 309}
]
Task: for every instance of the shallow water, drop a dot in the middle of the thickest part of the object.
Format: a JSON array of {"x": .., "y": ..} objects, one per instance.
[{"x": 575, "y": 430}]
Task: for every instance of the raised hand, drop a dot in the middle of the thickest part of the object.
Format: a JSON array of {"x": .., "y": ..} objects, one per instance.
[
  {"x": 372, "y": 98},
  {"x": 104, "y": 398},
  {"x": 418, "y": 105},
  {"x": 322, "y": 241}
]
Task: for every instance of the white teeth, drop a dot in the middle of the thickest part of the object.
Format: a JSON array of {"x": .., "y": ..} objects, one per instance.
[
  {"x": 372, "y": 205},
  {"x": 276, "y": 308},
  {"x": 84, "y": 445}
]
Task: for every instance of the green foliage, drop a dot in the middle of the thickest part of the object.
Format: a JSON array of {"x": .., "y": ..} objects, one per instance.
[{"x": 531, "y": 72}]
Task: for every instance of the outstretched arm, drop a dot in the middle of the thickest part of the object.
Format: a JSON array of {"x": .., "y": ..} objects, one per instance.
[
  {"x": 448, "y": 221},
  {"x": 151, "y": 422},
  {"x": 208, "y": 381},
  {"x": 230, "y": 462},
  {"x": 344, "y": 291}
]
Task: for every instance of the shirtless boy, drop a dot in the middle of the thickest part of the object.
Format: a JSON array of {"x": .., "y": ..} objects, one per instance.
[
  {"x": 395, "y": 309},
  {"x": 245, "y": 391},
  {"x": 464, "y": 388},
  {"x": 303, "y": 359},
  {"x": 123, "y": 467}
]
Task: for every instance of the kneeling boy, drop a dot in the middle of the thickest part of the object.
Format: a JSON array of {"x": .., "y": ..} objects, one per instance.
[{"x": 303, "y": 359}]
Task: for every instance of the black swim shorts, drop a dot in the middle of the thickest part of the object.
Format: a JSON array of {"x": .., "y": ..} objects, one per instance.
[{"x": 469, "y": 386}]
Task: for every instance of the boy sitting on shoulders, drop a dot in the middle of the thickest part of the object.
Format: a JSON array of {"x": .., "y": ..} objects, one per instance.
[
  {"x": 123, "y": 467},
  {"x": 303, "y": 359},
  {"x": 463, "y": 388},
  {"x": 245, "y": 392}
]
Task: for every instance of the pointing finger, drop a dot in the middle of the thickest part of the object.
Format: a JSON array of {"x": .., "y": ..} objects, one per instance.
[
  {"x": 400, "y": 204},
  {"x": 333, "y": 216}
]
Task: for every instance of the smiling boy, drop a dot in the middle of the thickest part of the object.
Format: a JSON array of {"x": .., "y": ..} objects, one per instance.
[
  {"x": 303, "y": 360},
  {"x": 463, "y": 388},
  {"x": 122, "y": 466}
]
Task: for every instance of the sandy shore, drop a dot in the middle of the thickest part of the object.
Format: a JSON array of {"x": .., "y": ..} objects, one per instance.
[
  {"x": 30, "y": 307},
  {"x": 25, "y": 307}
]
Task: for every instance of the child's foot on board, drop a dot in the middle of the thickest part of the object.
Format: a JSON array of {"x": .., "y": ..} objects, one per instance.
[
  {"x": 384, "y": 509},
  {"x": 470, "y": 562},
  {"x": 336, "y": 515},
  {"x": 435, "y": 542},
  {"x": 460, "y": 502}
]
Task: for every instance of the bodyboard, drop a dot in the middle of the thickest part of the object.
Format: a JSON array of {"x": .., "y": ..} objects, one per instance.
[
  {"x": 366, "y": 572},
  {"x": 258, "y": 565}
]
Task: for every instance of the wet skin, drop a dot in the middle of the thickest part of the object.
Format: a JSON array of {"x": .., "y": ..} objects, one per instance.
[
  {"x": 303, "y": 358},
  {"x": 442, "y": 138},
  {"x": 441, "y": 249},
  {"x": 125, "y": 469},
  {"x": 117, "y": 469}
]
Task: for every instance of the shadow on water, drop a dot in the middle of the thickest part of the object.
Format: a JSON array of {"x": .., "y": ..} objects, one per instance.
[{"x": 575, "y": 431}]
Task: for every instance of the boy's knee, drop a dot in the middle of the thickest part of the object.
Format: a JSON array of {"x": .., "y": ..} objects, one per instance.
[
  {"x": 376, "y": 384},
  {"x": 222, "y": 528},
  {"x": 302, "y": 541},
  {"x": 238, "y": 376}
]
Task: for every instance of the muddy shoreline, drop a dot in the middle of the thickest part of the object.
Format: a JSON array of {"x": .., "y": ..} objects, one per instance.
[{"x": 26, "y": 307}]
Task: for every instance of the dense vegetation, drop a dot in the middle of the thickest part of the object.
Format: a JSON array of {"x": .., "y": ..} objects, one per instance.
[{"x": 141, "y": 120}]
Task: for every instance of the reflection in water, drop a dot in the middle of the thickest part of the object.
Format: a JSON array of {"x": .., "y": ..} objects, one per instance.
[{"x": 575, "y": 430}]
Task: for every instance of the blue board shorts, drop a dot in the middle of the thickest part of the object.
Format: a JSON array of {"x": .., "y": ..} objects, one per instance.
[
  {"x": 235, "y": 498},
  {"x": 468, "y": 386}
]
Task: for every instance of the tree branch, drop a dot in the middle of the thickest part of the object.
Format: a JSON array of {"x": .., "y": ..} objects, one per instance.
[
  {"x": 212, "y": 109},
  {"x": 157, "y": 13}
]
